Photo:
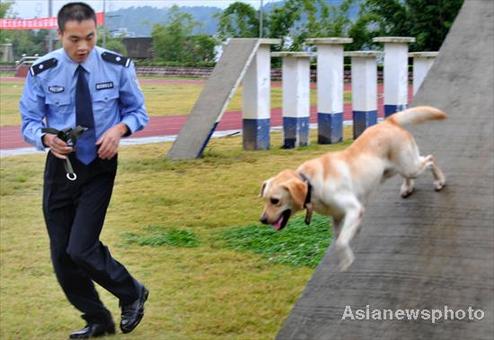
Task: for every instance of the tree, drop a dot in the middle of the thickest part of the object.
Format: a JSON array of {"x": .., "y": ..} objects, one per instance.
[
  {"x": 201, "y": 49},
  {"x": 175, "y": 41},
  {"x": 5, "y": 9},
  {"x": 427, "y": 21},
  {"x": 424, "y": 14},
  {"x": 112, "y": 43},
  {"x": 302, "y": 19},
  {"x": 169, "y": 39},
  {"x": 282, "y": 19},
  {"x": 335, "y": 20},
  {"x": 239, "y": 20}
]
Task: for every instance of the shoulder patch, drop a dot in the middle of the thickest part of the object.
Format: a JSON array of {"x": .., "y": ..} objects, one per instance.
[
  {"x": 115, "y": 59},
  {"x": 43, "y": 66}
]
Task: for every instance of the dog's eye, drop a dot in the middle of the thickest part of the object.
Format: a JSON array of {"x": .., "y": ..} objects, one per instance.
[{"x": 275, "y": 201}]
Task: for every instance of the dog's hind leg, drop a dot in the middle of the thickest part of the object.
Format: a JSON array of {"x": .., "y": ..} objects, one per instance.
[
  {"x": 429, "y": 162},
  {"x": 439, "y": 178},
  {"x": 414, "y": 165}
]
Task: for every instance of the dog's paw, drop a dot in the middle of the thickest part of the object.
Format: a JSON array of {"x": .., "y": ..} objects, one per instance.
[
  {"x": 406, "y": 192},
  {"x": 407, "y": 188},
  {"x": 439, "y": 185},
  {"x": 344, "y": 257}
]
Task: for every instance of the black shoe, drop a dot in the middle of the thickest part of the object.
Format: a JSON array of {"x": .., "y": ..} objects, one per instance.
[
  {"x": 132, "y": 313},
  {"x": 93, "y": 330}
]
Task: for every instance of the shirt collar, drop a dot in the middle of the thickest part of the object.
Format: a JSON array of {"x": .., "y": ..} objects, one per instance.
[{"x": 88, "y": 64}]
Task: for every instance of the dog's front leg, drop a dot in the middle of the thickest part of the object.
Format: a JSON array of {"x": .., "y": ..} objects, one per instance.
[
  {"x": 349, "y": 228},
  {"x": 337, "y": 224}
]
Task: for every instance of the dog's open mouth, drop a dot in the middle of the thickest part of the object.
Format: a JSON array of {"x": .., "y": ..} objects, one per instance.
[{"x": 283, "y": 220}]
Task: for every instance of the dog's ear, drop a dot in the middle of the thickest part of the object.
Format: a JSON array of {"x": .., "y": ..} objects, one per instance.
[
  {"x": 263, "y": 188},
  {"x": 298, "y": 191}
]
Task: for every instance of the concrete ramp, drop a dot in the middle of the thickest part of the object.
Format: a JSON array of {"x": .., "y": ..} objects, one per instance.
[
  {"x": 214, "y": 99},
  {"x": 432, "y": 250}
]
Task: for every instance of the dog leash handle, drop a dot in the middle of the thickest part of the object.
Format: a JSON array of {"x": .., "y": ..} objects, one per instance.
[{"x": 70, "y": 174}]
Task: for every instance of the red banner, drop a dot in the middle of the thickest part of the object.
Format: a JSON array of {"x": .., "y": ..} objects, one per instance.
[{"x": 39, "y": 23}]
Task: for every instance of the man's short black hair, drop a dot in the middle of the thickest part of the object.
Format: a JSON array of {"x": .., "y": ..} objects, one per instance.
[{"x": 78, "y": 11}]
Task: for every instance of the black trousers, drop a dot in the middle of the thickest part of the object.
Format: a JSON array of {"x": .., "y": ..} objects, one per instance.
[{"x": 74, "y": 214}]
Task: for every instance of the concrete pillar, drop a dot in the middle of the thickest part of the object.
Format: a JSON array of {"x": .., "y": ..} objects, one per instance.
[
  {"x": 364, "y": 90},
  {"x": 422, "y": 62},
  {"x": 395, "y": 73},
  {"x": 256, "y": 98},
  {"x": 6, "y": 53},
  {"x": 296, "y": 98},
  {"x": 330, "y": 81}
]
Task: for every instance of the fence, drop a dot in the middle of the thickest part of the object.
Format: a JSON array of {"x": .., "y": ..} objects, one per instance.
[{"x": 296, "y": 75}]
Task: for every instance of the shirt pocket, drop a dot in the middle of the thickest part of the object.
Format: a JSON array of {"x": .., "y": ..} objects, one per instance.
[
  {"x": 59, "y": 103},
  {"x": 105, "y": 102}
]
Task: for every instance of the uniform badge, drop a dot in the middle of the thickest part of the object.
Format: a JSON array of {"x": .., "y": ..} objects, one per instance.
[
  {"x": 56, "y": 88},
  {"x": 43, "y": 66},
  {"x": 104, "y": 85},
  {"x": 115, "y": 59}
]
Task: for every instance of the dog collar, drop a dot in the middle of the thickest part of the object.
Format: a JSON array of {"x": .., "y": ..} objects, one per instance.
[{"x": 308, "y": 198}]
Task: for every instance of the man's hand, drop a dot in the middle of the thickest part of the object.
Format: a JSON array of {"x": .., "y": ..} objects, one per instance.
[
  {"x": 110, "y": 140},
  {"x": 57, "y": 146}
]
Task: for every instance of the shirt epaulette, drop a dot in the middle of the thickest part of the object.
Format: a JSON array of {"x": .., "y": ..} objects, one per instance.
[
  {"x": 43, "y": 66},
  {"x": 115, "y": 59}
]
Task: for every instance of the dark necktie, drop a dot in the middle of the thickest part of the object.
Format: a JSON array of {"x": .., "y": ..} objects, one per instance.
[{"x": 86, "y": 144}]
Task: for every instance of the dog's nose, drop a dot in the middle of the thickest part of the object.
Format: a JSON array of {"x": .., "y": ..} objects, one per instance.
[{"x": 264, "y": 219}]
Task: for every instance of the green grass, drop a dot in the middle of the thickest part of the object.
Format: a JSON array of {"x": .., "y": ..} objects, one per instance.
[
  {"x": 214, "y": 290},
  {"x": 10, "y": 93},
  {"x": 296, "y": 245},
  {"x": 156, "y": 236}
]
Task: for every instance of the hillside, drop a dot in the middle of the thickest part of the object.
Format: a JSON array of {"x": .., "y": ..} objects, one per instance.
[{"x": 139, "y": 21}]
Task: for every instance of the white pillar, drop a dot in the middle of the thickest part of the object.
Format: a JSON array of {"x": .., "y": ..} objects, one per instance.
[
  {"x": 256, "y": 98},
  {"x": 422, "y": 62},
  {"x": 330, "y": 88},
  {"x": 296, "y": 98},
  {"x": 395, "y": 72},
  {"x": 364, "y": 90}
]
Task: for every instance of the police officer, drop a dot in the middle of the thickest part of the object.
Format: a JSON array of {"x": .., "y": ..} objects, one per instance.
[{"x": 84, "y": 85}]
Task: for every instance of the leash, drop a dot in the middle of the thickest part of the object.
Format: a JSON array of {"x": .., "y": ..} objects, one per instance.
[
  {"x": 69, "y": 136},
  {"x": 307, "y": 204}
]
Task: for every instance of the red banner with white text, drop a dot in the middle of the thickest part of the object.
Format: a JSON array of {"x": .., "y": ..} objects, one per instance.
[{"x": 39, "y": 23}]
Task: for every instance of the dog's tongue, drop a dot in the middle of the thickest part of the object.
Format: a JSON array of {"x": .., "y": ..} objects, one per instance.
[{"x": 277, "y": 224}]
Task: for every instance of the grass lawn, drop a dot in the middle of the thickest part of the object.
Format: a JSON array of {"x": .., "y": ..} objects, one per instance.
[
  {"x": 188, "y": 230},
  {"x": 162, "y": 99}
]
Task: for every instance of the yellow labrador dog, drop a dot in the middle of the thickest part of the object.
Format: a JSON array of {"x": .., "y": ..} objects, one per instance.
[{"x": 338, "y": 184}]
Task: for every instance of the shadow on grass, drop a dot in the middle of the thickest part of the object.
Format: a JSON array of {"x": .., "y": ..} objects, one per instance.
[
  {"x": 156, "y": 236},
  {"x": 296, "y": 245}
]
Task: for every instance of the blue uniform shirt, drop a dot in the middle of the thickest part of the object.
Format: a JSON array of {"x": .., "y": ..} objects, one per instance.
[{"x": 49, "y": 96}]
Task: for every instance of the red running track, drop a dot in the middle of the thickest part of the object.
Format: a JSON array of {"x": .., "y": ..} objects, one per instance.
[{"x": 10, "y": 136}]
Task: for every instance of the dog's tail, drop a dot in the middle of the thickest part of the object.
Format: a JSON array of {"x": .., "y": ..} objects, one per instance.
[{"x": 416, "y": 115}]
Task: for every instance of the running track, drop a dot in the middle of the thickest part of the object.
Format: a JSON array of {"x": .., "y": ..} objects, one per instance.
[{"x": 10, "y": 136}]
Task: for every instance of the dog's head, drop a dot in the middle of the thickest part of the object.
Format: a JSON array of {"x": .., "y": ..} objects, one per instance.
[{"x": 284, "y": 195}]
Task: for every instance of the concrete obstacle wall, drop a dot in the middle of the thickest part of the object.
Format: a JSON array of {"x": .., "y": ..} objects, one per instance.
[
  {"x": 213, "y": 100},
  {"x": 432, "y": 251}
]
